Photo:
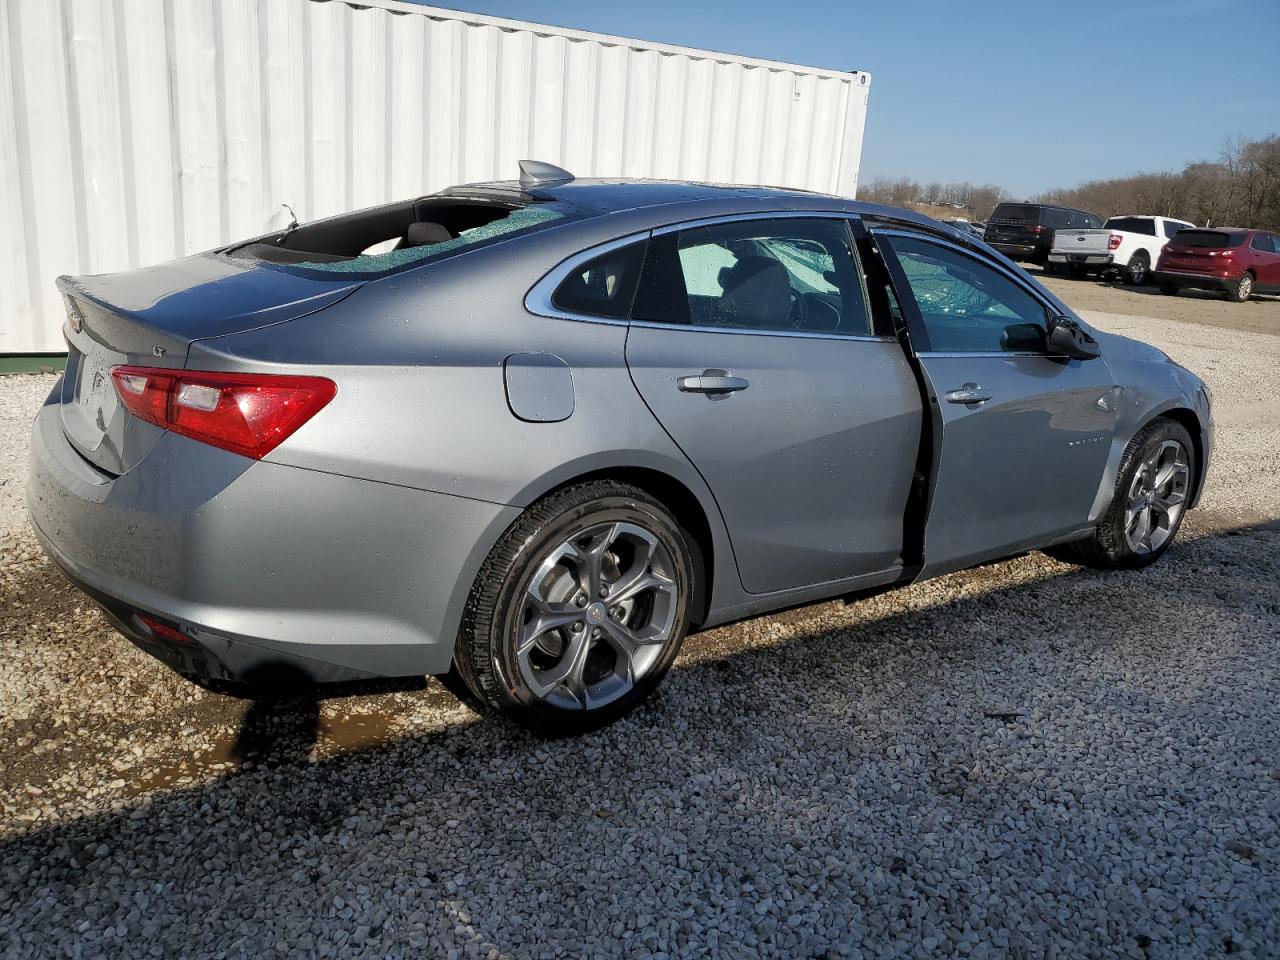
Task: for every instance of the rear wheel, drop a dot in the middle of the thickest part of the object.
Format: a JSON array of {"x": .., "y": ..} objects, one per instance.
[
  {"x": 1148, "y": 505},
  {"x": 1077, "y": 272},
  {"x": 1242, "y": 290},
  {"x": 1138, "y": 270},
  {"x": 579, "y": 610}
]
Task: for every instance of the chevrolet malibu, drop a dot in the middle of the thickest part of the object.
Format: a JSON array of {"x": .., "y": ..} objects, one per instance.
[{"x": 529, "y": 434}]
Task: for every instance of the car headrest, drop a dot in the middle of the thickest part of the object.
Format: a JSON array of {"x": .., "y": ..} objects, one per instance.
[{"x": 426, "y": 232}]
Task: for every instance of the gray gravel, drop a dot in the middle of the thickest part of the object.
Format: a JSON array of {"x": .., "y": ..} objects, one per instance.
[{"x": 1023, "y": 760}]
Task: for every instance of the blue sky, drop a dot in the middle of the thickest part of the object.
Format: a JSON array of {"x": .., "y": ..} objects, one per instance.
[{"x": 995, "y": 90}]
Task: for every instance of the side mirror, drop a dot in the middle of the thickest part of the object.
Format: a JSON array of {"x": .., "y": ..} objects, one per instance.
[
  {"x": 1068, "y": 339},
  {"x": 1023, "y": 338}
]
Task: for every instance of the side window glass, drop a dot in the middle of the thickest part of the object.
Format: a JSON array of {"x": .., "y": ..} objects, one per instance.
[
  {"x": 602, "y": 287},
  {"x": 1171, "y": 228},
  {"x": 967, "y": 306},
  {"x": 789, "y": 274},
  {"x": 1261, "y": 241},
  {"x": 1055, "y": 217}
]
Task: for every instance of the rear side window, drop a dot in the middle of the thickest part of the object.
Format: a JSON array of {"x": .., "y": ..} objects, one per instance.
[
  {"x": 1053, "y": 217},
  {"x": 789, "y": 274},
  {"x": 1210, "y": 239},
  {"x": 1024, "y": 212},
  {"x": 603, "y": 287},
  {"x": 1171, "y": 228},
  {"x": 1142, "y": 225},
  {"x": 1262, "y": 242}
]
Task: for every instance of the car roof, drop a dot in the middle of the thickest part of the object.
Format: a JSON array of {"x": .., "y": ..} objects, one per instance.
[{"x": 690, "y": 198}]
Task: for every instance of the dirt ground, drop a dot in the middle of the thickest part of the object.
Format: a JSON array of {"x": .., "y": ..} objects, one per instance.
[{"x": 1259, "y": 315}]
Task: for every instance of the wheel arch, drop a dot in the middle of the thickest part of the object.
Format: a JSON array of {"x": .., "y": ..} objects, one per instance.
[
  {"x": 698, "y": 515},
  {"x": 1189, "y": 420}
]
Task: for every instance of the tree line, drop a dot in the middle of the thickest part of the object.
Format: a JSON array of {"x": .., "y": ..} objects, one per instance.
[{"x": 1240, "y": 189}]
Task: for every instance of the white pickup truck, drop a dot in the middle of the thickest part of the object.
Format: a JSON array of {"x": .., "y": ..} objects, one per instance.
[{"x": 1130, "y": 245}]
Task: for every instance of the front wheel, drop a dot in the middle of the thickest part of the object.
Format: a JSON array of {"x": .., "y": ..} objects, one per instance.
[
  {"x": 579, "y": 610},
  {"x": 1150, "y": 499}
]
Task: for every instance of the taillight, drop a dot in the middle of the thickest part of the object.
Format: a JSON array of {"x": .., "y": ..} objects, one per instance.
[
  {"x": 1113, "y": 241},
  {"x": 1037, "y": 229},
  {"x": 247, "y": 413}
]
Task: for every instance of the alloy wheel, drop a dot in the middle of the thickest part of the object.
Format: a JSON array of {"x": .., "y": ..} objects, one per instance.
[
  {"x": 596, "y": 616},
  {"x": 1157, "y": 498}
]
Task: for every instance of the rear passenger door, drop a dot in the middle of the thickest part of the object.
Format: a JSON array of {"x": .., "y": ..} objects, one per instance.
[
  {"x": 1266, "y": 248},
  {"x": 1021, "y": 437},
  {"x": 751, "y": 343}
]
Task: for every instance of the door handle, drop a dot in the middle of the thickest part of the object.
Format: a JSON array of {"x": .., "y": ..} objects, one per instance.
[
  {"x": 712, "y": 382},
  {"x": 969, "y": 393}
]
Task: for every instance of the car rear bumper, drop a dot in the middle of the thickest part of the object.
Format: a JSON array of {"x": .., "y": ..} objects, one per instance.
[
  {"x": 1083, "y": 259},
  {"x": 1202, "y": 281},
  {"x": 261, "y": 565}
]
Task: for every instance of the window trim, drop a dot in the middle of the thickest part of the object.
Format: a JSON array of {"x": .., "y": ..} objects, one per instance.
[
  {"x": 538, "y": 300},
  {"x": 915, "y": 322}
]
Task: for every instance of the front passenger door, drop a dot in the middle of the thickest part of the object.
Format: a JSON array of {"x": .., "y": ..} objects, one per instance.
[{"x": 1021, "y": 437}]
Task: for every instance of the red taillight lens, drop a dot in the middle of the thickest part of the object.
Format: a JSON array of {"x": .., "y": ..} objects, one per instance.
[
  {"x": 1037, "y": 229},
  {"x": 246, "y": 413},
  {"x": 1113, "y": 241}
]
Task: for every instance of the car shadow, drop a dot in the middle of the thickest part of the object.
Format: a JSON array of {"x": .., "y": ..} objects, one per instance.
[{"x": 934, "y": 690}]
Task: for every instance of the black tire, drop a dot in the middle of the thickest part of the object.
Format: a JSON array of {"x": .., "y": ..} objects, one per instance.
[
  {"x": 1169, "y": 289},
  {"x": 1242, "y": 290},
  {"x": 1138, "y": 271},
  {"x": 1108, "y": 548},
  {"x": 1051, "y": 269},
  {"x": 1077, "y": 272},
  {"x": 485, "y": 657}
]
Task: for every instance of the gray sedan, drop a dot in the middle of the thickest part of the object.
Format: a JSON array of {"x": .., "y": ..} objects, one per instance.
[{"x": 529, "y": 434}]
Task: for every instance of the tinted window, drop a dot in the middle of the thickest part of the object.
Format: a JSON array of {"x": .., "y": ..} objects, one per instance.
[
  {"x": 1143, "y": 225},
  {"x": 1026, "y": 212},
  {"x": 1053, "y": 217},
  {"x": 1171, "y": 228},
  {"x": 785, "y": 274},
  {"x": 1091, "y": 221},
  {"x": 1261, "y": 241},
  {"x": 967, "y": 306},
  {"x": 1210, "y": 239},
  {"x": 602, "y": 287}
]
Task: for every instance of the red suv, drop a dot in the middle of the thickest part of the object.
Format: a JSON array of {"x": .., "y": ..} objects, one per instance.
[{"x": 1241, "y": 262}]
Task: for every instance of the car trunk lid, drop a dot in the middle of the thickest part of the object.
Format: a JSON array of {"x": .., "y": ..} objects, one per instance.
[
  {"x": 150, "y": 317},
  {"x": 1082, "y": 241}
]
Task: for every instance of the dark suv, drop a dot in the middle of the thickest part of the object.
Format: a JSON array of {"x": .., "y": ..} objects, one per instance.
[{"x": 1024, "y": 231}]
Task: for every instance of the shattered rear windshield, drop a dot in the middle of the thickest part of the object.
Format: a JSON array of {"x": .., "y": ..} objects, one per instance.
[{"x": 519, "y": 221}]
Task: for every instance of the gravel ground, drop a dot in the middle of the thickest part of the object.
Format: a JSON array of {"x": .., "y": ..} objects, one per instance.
[{"x": 1023, "y": 760}]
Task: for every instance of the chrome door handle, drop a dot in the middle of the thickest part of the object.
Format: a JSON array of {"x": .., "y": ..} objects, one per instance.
[
  {"x": 711, "y": 382},
  {"x": 969, "y": 393}
]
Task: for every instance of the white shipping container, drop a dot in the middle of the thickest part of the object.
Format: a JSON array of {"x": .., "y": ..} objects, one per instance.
[{"x": 135, "y": 131}]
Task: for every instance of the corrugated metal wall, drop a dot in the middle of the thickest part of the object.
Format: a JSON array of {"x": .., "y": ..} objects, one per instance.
[{"x": 134, "y": 131}]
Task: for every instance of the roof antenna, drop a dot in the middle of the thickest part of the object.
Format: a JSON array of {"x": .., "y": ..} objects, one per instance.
[
  {"x": 538, "y": 173},
  {"x": 293, "y": 225}
]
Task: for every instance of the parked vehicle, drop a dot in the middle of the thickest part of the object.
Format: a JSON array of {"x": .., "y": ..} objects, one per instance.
[
  {"x": 1238, "y": 261},
  {"x": 976, "y": 229},
  {"x": 566, "y": 421},
  {"x": 1024, "y": 231},
  {"x": 1129, "y": 244}
]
